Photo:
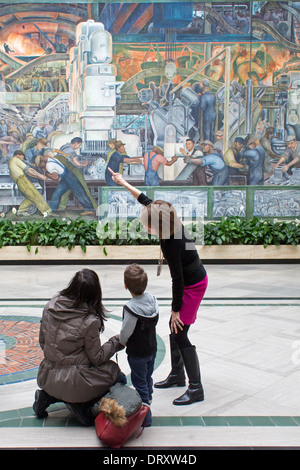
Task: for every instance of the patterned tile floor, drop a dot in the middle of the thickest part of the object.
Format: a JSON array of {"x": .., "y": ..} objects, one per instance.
[{"x": 247, "y": 337}]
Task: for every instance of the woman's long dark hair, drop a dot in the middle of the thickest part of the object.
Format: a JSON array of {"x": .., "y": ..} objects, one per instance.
[{"x": 85, "y": 288}]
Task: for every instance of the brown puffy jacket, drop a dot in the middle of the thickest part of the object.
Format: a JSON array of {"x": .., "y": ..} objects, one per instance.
[{"x": 76, "y": 368}]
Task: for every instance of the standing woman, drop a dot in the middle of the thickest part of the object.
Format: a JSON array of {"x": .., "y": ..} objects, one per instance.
[
  {"x": 76, "y": 368},
  {"x": 189, "y": 283}
]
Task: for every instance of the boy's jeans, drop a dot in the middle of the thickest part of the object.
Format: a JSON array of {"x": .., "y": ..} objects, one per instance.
[{"x": 141, "y": 378}]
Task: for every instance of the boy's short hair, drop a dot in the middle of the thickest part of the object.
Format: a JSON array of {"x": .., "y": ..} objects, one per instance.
[{"x": 135, "y": 279}]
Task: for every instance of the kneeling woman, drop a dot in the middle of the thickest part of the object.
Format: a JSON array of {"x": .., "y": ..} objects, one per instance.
[
  {"x": 76, "y": 368},
  {"x": 189, "y": 283}
]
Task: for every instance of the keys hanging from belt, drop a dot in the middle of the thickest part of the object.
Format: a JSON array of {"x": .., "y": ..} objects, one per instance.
[{"x": 160, "y": 263}]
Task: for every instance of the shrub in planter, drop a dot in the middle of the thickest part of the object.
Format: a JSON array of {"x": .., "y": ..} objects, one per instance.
[
  {"x": 52, "y": 232},
  {"x": 69, "y": 233},
  {"x": 236, "y": 231}
]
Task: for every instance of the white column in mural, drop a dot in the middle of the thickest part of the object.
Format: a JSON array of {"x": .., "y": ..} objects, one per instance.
[{"x": 92, "y": 82}]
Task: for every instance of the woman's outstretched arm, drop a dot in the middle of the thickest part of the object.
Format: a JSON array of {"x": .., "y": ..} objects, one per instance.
[{"x": 118, "y": 178}]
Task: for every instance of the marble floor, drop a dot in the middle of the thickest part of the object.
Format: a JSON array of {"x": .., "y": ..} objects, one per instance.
[{"x": 247, "y": 338}]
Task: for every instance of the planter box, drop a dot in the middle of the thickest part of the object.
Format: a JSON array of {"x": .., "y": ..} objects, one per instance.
[
  {"x": 51, "y": 253},
  {"x": 250, "y": 252},
  {"x": 147, "y": 252}
]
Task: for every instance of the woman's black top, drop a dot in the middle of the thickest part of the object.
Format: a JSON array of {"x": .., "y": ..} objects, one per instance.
[{"x": 185, "y": 266}]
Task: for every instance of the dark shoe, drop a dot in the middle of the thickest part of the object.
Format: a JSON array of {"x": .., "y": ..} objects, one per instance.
[
  {"x": 148, "y": 420},
  {"x": 191, "y": 395},
  {"x": 83, "y": 412},
  {"x": 176, "y": 376},
  {"x": 194, "y": 392},
  {"x": 42, "y": 401},
  {"x": 173, "y": 380}
]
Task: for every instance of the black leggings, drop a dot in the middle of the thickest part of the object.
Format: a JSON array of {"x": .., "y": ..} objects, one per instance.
[{"x": 181, "y": 337}]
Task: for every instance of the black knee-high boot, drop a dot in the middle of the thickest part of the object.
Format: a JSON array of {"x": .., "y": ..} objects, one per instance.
[
  {"x": 176, "y": 376},
  {"x": 194, "y": 392},
  {"x": 41, "y": 401},
  {"x": 84, "y": 412}
]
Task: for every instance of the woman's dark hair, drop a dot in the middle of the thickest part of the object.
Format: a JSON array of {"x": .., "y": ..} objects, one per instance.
[
  {"x": 85, "y": 288},
  {"x": 161, "y": 217}
]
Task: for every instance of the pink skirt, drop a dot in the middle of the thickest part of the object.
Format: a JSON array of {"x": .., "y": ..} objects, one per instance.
[{"x": 191, "y": 300}]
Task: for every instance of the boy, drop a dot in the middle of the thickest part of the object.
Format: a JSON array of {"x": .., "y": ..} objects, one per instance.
[{"x": 138, "y": 333}]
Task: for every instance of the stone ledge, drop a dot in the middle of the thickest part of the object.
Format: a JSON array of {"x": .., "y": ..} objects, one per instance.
[{"x": 147, "y": 252}]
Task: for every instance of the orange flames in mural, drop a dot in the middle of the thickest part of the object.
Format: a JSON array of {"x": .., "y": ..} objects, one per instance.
[{"x": 23, "y": 45}]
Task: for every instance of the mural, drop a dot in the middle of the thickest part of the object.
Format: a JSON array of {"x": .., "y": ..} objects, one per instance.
[{"x": 179, "y": 95}]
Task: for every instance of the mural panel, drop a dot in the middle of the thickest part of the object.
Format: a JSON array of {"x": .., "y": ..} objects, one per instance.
[
  {"x": 276, "y": 203},
  {"x": 229, "y": 203},
  {"x": 177, "y": 95}
]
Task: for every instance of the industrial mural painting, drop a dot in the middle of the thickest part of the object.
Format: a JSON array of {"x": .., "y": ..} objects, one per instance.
[{"x": 179, "y": 96}]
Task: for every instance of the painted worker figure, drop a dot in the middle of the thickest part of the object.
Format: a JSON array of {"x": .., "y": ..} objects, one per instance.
[
  {"x": 152, "y": 161},
  {"x": 233, "y": 155},
  {"x": 71, "y": 150},
  {"x": 291, "y": 156},
  {"x": 112, "y": 146},
  {"x": 207, "y": 104},
  {"x": 39, "y": 131},
  {"x": 218, "y": 145},
  {"x": 254, "y": 156},
  {"x": 38, "y": 149},
  {"x": 190, "y": 153},
  {"x": 67, "y": 180},
  {"x": 50, "y": 127},
  {"x": 215, "y": 162},
  {"x": 266, "y": 143},
  {"x": 3, "y": 128},
  {"x": 19, "y": 172},
  {"x": 118, "y": 156}
]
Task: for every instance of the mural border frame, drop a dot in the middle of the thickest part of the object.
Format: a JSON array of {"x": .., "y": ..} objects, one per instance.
[{"x": 210, "y": 190}]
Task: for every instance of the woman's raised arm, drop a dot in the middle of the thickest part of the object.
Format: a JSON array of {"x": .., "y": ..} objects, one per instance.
[{"x": 118, "y": 178}]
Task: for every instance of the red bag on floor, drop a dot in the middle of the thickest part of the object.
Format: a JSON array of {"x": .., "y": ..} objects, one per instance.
[{"x": 116, "y": 436}]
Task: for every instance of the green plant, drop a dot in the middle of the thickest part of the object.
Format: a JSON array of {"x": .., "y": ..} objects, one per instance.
[
  {"x": 236, "y": 231},
  {"x": 123, "y": 232},
  {"x": 52, "y": 232},
  {"x": 69, "y": 233}
]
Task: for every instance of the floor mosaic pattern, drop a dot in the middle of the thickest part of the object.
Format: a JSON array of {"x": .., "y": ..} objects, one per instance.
[{"x": 247, "y": 337}]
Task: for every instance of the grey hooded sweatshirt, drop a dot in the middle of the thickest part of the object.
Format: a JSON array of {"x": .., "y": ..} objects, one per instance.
[{"x": 138, "y": 332}]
